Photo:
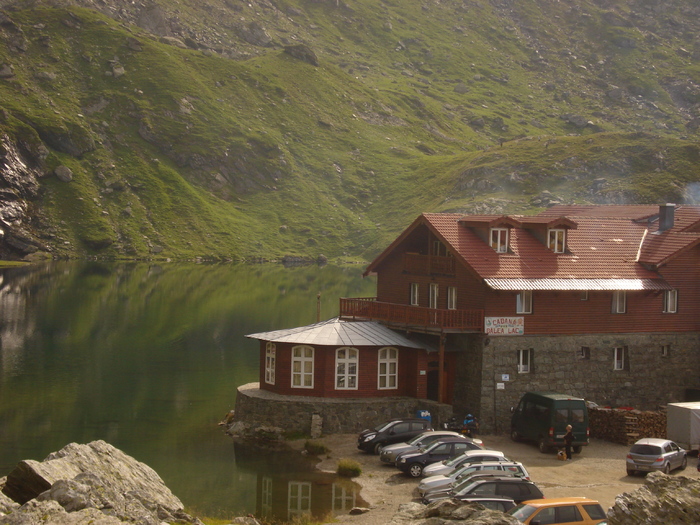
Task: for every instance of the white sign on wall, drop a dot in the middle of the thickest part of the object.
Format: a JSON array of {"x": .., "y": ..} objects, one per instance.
[{"x": 504, "y": 325}]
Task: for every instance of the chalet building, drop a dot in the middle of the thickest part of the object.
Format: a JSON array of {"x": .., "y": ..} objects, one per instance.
[{"x": 601, "y": 302}]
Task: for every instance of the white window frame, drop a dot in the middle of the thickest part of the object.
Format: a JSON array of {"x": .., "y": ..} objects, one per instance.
[
  {"x": 619, "y": 302},
  {"x": 451, "y": 297},
  {"x": 270, "y": 363},
  {"x": 303, "y": 374},
  {"x": 434, "y": 293},
  {"x": 388, "y": 368},
  {"x": 346, "y": 368},
  {"x": 670, "y": 301},
  {"x": 298, "y": 498},
  {"x": 524, "y": 360},
  {"x": 415, "y": 296},
  {"x": 498, "y": 239},
  {"x": 619, "y": 358},
  {"x": 523, "y": 302},
  {"x": 556, "y": 240}
]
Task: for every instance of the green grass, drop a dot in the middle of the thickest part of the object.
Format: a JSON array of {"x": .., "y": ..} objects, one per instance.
[{"x": 192, "y": 154}]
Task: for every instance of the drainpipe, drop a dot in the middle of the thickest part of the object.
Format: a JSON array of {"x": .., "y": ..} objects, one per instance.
[{"x": 441, "y": 369}]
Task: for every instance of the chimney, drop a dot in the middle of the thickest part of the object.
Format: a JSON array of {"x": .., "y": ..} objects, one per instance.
[{"x": 666, "y": 216}]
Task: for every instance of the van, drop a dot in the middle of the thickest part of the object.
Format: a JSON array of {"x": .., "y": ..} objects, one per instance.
[{"x": 542, "y": 417}]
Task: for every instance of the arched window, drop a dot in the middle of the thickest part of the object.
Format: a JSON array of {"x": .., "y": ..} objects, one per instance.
[
  {"x": 388, "y": 368},
  {"x": 302, "y": 367},
  {"x": 346, "y": 364},
  {"x": 270, "y": 363}
]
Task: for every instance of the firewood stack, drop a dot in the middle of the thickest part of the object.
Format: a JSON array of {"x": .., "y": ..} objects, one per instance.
[{"x": 626, "y": 426}]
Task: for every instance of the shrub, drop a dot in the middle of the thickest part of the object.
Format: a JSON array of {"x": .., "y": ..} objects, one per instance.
[
  {"x": 315, "y": 448},
  {"x": 349, "y": 468}
]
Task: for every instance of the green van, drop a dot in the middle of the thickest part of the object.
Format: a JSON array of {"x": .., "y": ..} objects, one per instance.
[{"x": 542, "y": 417}]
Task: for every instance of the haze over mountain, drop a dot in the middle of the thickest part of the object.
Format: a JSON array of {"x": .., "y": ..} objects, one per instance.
[{"x": 259, "y": 129}]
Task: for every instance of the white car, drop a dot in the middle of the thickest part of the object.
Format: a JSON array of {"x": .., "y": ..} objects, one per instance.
[
  {"x": 389, "y": 453},
  {"x": 440, "y": 482},
  {"x": 470, "y": 456}
]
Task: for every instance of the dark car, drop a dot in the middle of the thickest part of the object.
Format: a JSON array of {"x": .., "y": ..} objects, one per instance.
[
  {"x": 500, "y": 503},
  {"x": 389, "y": 432},
  {"x": 516, "y": 488},
  {"x": 413, "y": 463}
]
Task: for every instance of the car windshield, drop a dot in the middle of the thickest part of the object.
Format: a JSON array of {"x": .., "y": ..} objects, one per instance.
[
  {"x": 417, "y": 440},
  {"x": 646, "y": 450},
  {"x": 522, "y": 512},
  {"x": 462, "y": 484},
  {"x": 383, "y": 426}
]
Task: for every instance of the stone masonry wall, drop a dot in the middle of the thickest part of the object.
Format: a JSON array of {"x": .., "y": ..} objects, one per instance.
[
  {"x": 650, "y": 378},
  {"x": 294, "y": 414}
]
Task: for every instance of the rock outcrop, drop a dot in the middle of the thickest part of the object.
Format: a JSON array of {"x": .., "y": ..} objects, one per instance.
[
  {"x": 450, "y": 512},
  {"x": 93, "y": 483}
]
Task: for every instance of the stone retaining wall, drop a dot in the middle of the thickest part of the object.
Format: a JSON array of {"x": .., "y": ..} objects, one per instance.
[{"x": 294, "y": 414}]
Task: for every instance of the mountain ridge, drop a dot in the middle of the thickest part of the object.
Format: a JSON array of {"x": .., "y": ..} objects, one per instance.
[{"x": 192, "y": 130}]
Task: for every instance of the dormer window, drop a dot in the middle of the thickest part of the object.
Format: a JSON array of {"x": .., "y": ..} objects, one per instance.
[
  {"x": 556, "y": 240},
  {"x": 499, "y": 240}
]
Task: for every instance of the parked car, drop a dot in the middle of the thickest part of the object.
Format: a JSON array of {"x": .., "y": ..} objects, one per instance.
[
  {"x": 447, "y": 466},
  {"x": 655, "y": 454},
  {"x": 390, "y": 432},
  {"x": 518, "y": 489},
  {"x": 499, "y": 503},
  {"x": 413, "y": 463},
  {"x": 434, "y": 483},
  {"x": 582, "y": 511},
  {"x": 389, "y": 453},
  {"x": 542, "y": 417}
]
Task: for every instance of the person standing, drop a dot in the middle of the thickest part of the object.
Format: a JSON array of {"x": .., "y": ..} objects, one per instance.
[{"x": 568, "y": 441}]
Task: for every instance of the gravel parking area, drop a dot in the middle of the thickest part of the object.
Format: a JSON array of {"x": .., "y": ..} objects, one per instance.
[{"x": 597, "y": 473}]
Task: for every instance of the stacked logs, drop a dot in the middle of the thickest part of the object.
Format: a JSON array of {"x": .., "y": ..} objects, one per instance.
[{"x": 626, "y": 426}]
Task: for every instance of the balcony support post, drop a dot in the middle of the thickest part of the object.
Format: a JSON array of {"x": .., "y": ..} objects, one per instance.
[{"x": 441, "y": 369}]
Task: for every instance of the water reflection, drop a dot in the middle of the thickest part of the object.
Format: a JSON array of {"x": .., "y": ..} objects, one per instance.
[{"x": 148, "y": 357}]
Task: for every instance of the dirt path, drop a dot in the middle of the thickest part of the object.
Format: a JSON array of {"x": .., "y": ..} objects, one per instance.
[{"x": 597, "y": 473}]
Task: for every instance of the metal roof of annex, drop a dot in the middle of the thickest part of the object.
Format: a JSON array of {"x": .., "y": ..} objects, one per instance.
[{"x": 577, "y": 284}]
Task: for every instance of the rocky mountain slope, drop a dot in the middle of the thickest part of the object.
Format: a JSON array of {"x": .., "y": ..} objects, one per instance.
[{"x": 264, "y": 128}]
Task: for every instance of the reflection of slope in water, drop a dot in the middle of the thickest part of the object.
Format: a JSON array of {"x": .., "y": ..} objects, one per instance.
[
  {"x": 289, "y": 485},
  {"x": 15, "y": 326}
]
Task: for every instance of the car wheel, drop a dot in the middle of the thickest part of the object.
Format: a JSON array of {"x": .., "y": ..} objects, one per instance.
[
  {"x": 377, "y": 448},
  {"x": 542, "y": 445},
  {"x": 667, "y": 468},
  {"x": 514, "y": 436},
  {"x": 631, "y": 472},
  {"x": 578, "y": 449},
  {"x": 685, "y": 463},
  {"x": 415, "y": 470}
]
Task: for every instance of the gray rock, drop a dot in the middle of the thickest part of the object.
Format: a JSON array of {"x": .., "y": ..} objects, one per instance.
[
  {"x": 256, "y": 35},
  {"x": 51, "y": 512},
  {"x": 303, "y": 53},
  {"x": 6, "y": 71},
  {"x": 84, "y": 478},
  {"x": 63, "y": 173},
  {"x": 173, "y": 41},
  {"x": 461, "y": 88}
]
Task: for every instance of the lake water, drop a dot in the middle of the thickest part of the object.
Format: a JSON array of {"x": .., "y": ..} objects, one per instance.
[{"x": 148, "y": 357}]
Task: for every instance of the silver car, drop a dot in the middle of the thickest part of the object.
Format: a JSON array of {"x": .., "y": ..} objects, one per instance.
[
  {"x": 470, "y": 456},
  {"x": 650, "y": 454},
  {"x": 439, "y": 482},
  {"x": 389, "y": 453}
]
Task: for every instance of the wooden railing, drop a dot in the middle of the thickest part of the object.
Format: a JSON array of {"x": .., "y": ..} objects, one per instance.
[
  {"x": 368, "y": 308},
  {"x": 428, "y": 264}
]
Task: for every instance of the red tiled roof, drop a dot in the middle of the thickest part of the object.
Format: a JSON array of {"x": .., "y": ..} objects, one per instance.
[{"x": 659, "y": 249}]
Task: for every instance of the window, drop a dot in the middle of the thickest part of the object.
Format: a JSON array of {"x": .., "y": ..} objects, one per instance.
[
  {"x": 619, "y": 302},
  {"x": 523, "y": 302},
  {"x": 584, "y": 295},
  {"x": 434, "y": 288},
  {"x": 388, "y": 368},
  {"x": 556, "y": 240},
  {"x": 670, "y": 301},
  {"x": 620, "y": 358},
  {"x": 266, "y": 496},
  {"x": 346, "y": 361},
  {"x": 302, "y": 367},
  {"x": 665, "y": 350},
  {"x": 414, "y": 294},
  {"x": 440, "y": 249},
  {"x": 583, "y": 353},
  {"x": 525, "y": 361},
  {"x": 298, "y": 498},
  {"x": 451, "y": 297},
  {"x": 270, "y": 358},
  {"x": 499, "y": 239}
]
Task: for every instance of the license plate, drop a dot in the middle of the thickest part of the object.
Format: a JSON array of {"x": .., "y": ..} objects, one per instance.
[{"x": 643, "y": 467}]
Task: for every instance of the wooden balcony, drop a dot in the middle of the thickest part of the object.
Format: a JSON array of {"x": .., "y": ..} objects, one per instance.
[
  {"x": 428, "y": 264},
  {"x": 414, "y": 317}
]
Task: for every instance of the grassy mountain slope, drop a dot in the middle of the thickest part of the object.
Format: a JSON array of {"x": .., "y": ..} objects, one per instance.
[{"x": 191, "y": 132}]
